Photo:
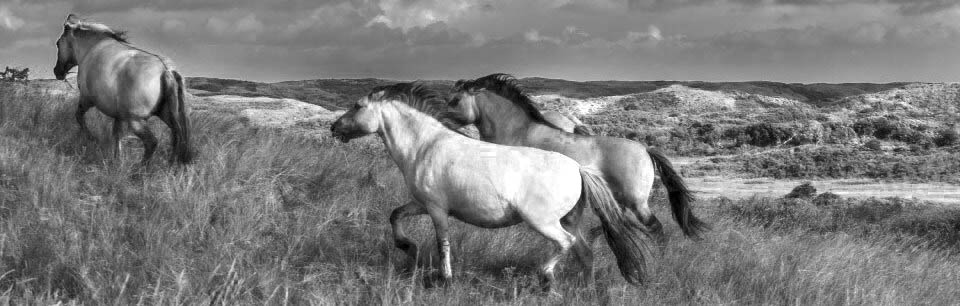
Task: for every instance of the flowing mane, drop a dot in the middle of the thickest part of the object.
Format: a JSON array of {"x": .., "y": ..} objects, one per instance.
[
  {"x": 99, "y": 28},
  {"x": 508, "y": 87},
  {"x": 414, "y": 94}
]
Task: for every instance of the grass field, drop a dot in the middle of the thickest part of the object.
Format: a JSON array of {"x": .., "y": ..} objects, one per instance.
[{"x": 268, "y": 218}]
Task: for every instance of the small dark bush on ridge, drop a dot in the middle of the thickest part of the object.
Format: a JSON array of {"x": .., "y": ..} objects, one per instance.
[{"x": 803, "y": 191}]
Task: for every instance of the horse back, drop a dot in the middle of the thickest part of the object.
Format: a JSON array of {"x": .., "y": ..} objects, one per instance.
[
  {"x": 121, "y": 81},
  {"x": 476, "y": 175},
  {"x": 622, "y": 161}
]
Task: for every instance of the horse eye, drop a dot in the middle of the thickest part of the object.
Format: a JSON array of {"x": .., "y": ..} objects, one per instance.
[{"x": 454, "y": 102}]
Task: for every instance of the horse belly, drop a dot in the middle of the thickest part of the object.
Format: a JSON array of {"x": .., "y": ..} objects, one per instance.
[{"x": 492, "y": 214}]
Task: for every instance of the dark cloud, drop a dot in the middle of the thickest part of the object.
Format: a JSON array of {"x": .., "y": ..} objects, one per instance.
[{"x": 792, "y": 40}]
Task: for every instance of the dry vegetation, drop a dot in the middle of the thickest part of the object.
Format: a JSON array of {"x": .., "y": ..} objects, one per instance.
[{"x": 268, "y": 217}]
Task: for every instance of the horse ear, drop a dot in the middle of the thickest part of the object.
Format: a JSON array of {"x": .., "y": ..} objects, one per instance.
[{"x": 72, "y": 21}]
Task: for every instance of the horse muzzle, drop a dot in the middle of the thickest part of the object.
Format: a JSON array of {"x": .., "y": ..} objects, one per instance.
[
  {"x": 60, "y": 72},
  {"x": 341, "y": 133}
]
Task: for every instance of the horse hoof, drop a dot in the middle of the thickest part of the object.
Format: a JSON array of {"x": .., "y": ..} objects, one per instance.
[{"x": 437, "y": 281}]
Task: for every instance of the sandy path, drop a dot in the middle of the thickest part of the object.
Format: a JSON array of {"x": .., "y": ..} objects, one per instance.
[{"x": 733, "y": 187}]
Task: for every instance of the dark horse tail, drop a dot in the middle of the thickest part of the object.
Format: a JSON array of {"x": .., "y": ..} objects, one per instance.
[
  {"x": 679, "y": 196},
  {"x": 620, "y": 230},
  {"x": 174, "y": 113}
]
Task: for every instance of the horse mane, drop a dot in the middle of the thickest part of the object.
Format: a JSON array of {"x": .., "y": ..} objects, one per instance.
[
  {"x": 508, "y": 87},
  {"x": 96, "y": 27},
  {"x": 414, "y": 94},
  {"x": 120, "y": 36}
]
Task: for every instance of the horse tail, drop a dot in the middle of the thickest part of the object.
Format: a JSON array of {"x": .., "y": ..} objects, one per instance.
[
  {"x": 582, "y": 130},
  {"x": 621, "y": 232},
  {"x": 176, "y": 113},
  {"x": 680, "y": 197}
]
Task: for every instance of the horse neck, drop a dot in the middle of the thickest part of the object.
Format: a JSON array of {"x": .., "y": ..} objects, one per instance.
[
  {"x": 502, "y": 121},
  {"x": 405, "y": 132},
  {"x": 84, "y": 43}
]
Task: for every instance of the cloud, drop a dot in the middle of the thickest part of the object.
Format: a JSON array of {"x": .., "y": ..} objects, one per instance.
[
  {"x": 8, "y": 21},
  {"x": 633, "y": 39},
  {"x": 406, "y": 14}
]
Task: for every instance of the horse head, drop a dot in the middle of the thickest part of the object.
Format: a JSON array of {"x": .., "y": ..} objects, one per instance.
[
  {"x": 66, "y": 57},
  {"x": 361, "y": 120}
]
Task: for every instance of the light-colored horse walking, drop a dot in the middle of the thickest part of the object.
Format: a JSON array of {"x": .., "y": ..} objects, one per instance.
[
  {"x": 124, "y": 82},
  {"x": 503, "y": 114},
  {"x": 487, "y": 185}
]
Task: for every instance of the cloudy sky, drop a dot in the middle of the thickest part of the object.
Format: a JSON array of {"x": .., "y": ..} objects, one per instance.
[{"x": 729, "y": 40}]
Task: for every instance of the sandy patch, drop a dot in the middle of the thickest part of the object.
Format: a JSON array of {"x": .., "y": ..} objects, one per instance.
[{"x": 288, "y": 115}]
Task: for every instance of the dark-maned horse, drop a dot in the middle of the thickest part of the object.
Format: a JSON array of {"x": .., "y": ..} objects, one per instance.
[
  {"x": 124, "y": 82},
  {"x": 503, "y": 114},
  {"x": 486, "y": 184}
]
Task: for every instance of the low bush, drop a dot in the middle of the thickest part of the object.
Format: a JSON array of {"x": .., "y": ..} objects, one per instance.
[
  {"x": 845, "y": 162},
  {"x": 947, "y": 137}
]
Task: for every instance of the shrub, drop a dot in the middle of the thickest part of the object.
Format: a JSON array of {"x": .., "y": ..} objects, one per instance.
[
  {"x": 947, "y": 137},
  {"x": 803, "y": 191},
  {"x": 846, "y": 162},
  {"x": 766, "y": 134},
  {"x": 827, "y": 199}
]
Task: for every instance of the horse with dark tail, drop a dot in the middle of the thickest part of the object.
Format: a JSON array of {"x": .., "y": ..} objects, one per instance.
[
  {"x": 679, "y": 196},
  {"x": 173, "y": 112},
  {"x": 623, "y": 233}
]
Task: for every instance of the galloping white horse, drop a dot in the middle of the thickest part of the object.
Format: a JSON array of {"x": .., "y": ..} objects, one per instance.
[
  {"x": 124, "y": 82},
  {"x": 487, "y": 185}
]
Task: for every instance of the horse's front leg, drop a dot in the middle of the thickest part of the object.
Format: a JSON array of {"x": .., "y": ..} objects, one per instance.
[
  {"x": 82, "y": 109},
  {"x": 412, "y": 208},
  {"x": 441, "y": 225}
]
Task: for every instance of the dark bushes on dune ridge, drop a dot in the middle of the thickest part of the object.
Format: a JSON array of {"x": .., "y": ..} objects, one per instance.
[{"x": 845, "y": 162}]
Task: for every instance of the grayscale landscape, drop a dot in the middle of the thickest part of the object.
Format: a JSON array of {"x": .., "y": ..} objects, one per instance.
[
  {"x": 274, "y": 210},
  {"x": 480, "y": 152}
]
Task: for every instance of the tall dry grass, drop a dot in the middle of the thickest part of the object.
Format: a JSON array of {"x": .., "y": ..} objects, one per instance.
[{"x": 268, "y": 218}]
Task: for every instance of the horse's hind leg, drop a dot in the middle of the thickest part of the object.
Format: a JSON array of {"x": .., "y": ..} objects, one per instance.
[
  {"x": 400, "y": 240},
  {"x": 573, "y": 223},
  {"x": 637, "y": 202},
  {"x": 562, "y": 240},
  {"x": 140, "y": 128},
  {"x": 652, "y": 226}
]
